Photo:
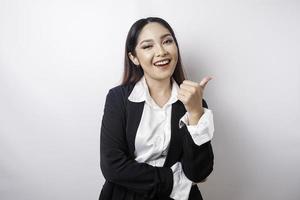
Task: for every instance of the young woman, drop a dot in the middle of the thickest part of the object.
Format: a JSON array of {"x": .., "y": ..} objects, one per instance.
[{"x": 156, "y": 128}]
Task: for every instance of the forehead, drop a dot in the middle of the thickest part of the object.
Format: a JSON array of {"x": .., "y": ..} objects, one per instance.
[{"x": 152, "y": 31}]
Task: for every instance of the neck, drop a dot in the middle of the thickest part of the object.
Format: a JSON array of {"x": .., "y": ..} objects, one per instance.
[{"x": 159, "y": 88}]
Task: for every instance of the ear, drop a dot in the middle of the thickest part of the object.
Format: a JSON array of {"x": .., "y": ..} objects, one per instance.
[{"x": 133, "y": 59}]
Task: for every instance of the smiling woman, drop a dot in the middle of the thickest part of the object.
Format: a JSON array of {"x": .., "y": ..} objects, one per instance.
[
  {"x": 156, "y": 128},
  {"x": 157, "y": 54},
  {"x": 159, "y": 50}
]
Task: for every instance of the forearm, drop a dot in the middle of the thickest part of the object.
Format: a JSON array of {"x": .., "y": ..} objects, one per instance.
[
  {"x": 198, "y": 155},
  {"x": 118, "y": 167},
  {"x": 197, "y": 161}
]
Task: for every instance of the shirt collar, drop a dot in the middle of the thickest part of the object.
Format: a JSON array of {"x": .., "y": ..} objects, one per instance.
[{"x": 141, "y": 93}]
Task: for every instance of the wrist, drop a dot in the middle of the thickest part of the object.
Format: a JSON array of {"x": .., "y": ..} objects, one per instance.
[{"x": 195, "y": 116}]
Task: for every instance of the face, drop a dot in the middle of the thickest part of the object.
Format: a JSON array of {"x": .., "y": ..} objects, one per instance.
[{"x": 156, "y": 52}]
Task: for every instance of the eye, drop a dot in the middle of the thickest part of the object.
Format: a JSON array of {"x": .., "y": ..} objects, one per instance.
[
  {"x": 146, "y": 47},
  {"x": 168, "y": 41}
]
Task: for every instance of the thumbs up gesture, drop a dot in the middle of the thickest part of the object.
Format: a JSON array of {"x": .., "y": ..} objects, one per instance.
[{"x": 190, "y": 94}]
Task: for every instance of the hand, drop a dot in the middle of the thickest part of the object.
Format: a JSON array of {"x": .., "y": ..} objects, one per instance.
[{"x": 190, "y": 94}]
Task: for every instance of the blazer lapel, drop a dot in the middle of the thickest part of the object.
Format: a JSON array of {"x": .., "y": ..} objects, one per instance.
[
  {"x": 175, "y": 148},
  {"x": 134, "y": 115}
]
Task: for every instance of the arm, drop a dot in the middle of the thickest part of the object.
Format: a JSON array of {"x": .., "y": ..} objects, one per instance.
[
  {"x": 116, "y": 164},
  {"x": 197, "y": 160}
]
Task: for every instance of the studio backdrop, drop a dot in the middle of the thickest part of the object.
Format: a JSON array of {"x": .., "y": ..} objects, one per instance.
[{"x": 59, "y": 58}]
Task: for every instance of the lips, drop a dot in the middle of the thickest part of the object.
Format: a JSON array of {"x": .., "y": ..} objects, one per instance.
[{"x": 162, "y": 62}]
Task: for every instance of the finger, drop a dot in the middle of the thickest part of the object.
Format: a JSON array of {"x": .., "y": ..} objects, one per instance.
[
  {"x": 191, "y": 83},
  {"x": 184, "y": 92},
  {"x": 182, "y": 98},
  {"x": 204, "y": 81},
  {"x": 189, "y": 88}
]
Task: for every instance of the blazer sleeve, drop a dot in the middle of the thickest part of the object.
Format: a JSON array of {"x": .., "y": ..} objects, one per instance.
[
  {"x": 197, "y": 161},
  {"x": 117, "y": 165}
]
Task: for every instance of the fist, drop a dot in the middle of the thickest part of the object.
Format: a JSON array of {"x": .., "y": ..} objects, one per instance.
[{"x": 190, "y": 94}]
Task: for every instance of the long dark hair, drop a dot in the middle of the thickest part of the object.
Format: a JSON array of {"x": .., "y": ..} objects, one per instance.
[{"x": 133, "y": 74}]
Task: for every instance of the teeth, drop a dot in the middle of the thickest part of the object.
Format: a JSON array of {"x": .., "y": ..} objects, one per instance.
[{"x": 162, "y": 62}]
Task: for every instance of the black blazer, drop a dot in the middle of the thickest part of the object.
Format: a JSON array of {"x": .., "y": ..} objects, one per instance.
[{"x": 126, "y": 179}]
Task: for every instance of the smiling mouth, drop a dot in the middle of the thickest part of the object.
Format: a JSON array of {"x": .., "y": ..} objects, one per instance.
[{"x": 162, "y": 63}]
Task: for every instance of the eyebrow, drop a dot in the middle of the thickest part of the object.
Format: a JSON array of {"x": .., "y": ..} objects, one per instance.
[{"x": 150, "y": 40}]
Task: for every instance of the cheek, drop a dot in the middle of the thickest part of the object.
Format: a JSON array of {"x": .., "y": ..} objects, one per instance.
[
  {"x": 173, "y": 50},
  {"x": 175, "y": 55},
  {"x": 146, "y": 58}
]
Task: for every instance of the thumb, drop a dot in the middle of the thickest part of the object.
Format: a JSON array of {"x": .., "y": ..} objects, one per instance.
[{"x": 204, "y": 81}]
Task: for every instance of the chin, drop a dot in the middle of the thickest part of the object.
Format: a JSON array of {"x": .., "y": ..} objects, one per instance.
[{"x": 164, "y": 77}]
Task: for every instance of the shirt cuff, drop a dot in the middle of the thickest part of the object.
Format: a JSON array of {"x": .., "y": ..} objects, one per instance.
[
  {"x": 203, "y": 131},
  {"x": 181, "y": 184}
]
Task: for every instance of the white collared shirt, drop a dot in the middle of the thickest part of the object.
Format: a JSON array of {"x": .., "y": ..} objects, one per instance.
[{"x": 154, "y": 133}]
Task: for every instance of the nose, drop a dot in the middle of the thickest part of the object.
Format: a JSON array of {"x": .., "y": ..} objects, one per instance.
[{"x": 161, "y": 51}]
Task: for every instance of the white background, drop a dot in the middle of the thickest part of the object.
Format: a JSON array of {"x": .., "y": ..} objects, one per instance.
[{"x": 58, "y": 58}]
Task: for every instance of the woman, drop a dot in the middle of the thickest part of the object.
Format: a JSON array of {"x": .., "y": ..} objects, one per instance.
[{"x": 155, "y": 134}]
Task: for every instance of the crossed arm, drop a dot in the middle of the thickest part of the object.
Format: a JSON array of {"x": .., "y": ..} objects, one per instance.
[{"x": 120, "y": 168}]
